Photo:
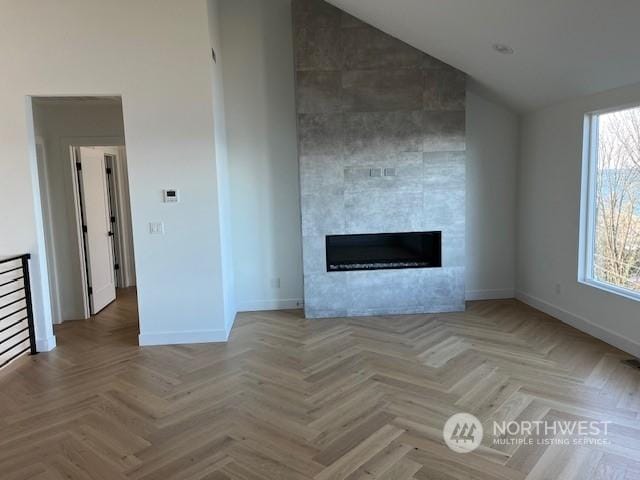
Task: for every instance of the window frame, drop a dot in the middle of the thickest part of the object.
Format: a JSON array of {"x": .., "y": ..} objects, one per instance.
[{"x": 586, "y": 249}]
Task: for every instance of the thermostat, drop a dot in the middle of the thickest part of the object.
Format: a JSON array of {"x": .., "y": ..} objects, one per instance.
[{"x": 171, "y": 196}]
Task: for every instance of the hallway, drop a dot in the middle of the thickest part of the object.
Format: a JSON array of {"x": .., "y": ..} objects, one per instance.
[{"x": 116, "y": 325}]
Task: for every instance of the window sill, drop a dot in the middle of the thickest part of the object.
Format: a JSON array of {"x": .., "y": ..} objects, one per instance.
[{"x": 622, "y": 292}]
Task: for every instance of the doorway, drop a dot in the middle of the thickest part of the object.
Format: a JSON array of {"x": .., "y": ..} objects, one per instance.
[
  {"x": 84, "y": 190},
  {"x": 100, "y": 222}
]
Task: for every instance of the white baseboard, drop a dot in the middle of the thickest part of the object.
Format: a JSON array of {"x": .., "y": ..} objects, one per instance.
[
  {"x": 186, "y": 337},
  {"x": 46, "y": 344},
  {"x": 582, "y": 324},
  {"x": 497, "y": 294},
  {"x": 263, "y": 305}
]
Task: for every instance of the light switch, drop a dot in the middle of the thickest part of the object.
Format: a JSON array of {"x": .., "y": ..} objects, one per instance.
[
  {"x": 375, "y": 172},
  {"x": 389, "y": 172},
  {"x": 156, "y": 228}
]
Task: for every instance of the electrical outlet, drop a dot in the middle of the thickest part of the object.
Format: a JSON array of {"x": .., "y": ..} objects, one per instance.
[
  {"x": 558, "y": 289},
  {"x": 275, "y": 283},
  {"x": 156, "y": 228}
]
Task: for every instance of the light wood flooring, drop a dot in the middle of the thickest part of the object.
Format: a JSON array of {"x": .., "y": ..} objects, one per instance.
[{"x": 287, "y": 398}]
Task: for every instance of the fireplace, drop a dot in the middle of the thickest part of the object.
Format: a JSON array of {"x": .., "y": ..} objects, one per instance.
[
  {"x": 381, "y": 144},
  {"x": 384, "y": 251}
]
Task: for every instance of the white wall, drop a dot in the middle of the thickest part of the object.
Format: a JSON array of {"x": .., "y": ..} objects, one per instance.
[
  {"x": 156, "y": 55},
  {"x": 260, "y": 106},
  {"x": 492, "y": 154},
  {"x": 222, "y": 163},
  {"x": 548, "y": 223},
  {"x": 261, "y": 132},
  {"x": 60, "y": 125}
]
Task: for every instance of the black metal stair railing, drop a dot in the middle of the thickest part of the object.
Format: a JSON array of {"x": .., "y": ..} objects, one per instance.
[{"x": 17, "y": 333}]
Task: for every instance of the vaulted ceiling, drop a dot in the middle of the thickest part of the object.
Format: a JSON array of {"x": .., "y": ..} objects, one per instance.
[{"x": 563, "y": 48}]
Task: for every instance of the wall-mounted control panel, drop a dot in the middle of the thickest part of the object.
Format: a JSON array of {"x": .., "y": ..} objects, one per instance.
[{"x": 170, "y": 196}]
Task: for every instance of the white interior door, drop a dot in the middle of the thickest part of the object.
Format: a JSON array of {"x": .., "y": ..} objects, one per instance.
[{"x": 99, "y": 242}]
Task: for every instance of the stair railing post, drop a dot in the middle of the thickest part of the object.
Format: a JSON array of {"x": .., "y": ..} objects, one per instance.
[{"x": 27, "y": 291}]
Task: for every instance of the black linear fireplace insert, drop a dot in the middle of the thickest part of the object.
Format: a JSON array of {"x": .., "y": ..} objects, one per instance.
[{"x": 379, "y": 251}]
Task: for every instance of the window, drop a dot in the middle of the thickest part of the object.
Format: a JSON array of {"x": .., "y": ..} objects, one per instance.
[{"x": 611, "y": 202}]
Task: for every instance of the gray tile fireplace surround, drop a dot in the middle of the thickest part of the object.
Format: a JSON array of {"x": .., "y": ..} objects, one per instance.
[{"x": 367, "y": 102}]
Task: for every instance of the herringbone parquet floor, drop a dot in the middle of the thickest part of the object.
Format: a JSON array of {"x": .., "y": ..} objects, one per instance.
[{"x": 288, "y": 398}]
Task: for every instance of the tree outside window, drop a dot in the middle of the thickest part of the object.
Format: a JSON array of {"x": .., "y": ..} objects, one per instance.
[{"x": 616, "y": 241}]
